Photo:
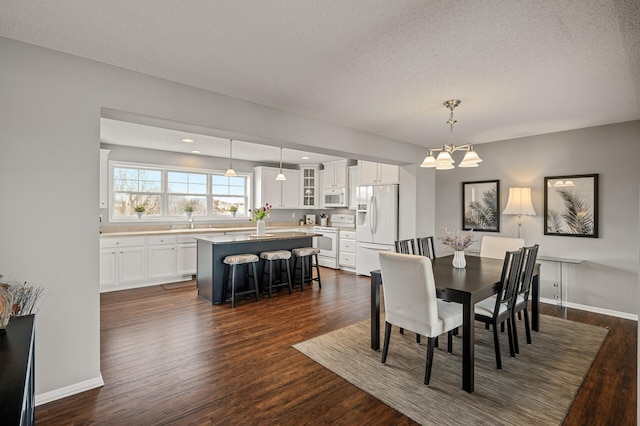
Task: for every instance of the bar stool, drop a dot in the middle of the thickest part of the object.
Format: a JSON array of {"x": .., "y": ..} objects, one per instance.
[
  {"x": 231, "y": 262},
  {"x": 279, "y": 257},
  {"x": 306, "y": 254}
]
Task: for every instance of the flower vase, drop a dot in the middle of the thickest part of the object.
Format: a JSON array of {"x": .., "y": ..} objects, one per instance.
[
  {"x": 458, "y": 259},
  {"x": 6, "y": 306},
  {"x": 261, "y": 226},
  {"x": 139, "y": 214},
  {"x": 188, "y": 214}
]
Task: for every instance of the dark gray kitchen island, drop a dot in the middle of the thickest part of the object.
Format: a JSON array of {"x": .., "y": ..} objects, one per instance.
[{"x": 212, "y": 251}]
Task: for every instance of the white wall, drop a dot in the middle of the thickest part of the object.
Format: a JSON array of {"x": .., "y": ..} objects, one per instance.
[
  {"x": 417, "y": 209},
  {"x": 609, "y": 274},
  {"x": 49, "y": 161}
]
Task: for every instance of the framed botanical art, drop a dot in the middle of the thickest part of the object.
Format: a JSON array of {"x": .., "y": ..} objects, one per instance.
[
  {"x": 571, "y": 205},
  {"x": 480, "y": 203}
]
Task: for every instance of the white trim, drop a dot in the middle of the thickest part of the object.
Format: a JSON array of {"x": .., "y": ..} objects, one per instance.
[
  {"x": 66, "y": 391},
  {"x": 146, "y": 283},
  {"x": 595, "y": 309}
]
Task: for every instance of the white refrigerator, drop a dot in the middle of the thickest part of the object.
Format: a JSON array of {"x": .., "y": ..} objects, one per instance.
[{"x": 376, "y": 225}]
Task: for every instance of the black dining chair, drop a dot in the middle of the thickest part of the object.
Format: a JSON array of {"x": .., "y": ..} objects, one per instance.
[
  {"x": 425, "y": 247},
  {"x": 406, "y": 246},
  {"x": 522, "y": 295},
  {"x": 497, "y": 309}
]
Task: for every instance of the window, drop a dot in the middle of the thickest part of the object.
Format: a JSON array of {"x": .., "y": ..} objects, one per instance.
[
  {"x": 165, "y": 192},
  {"x": 133, "y": 187},
  {"x": 187, "y": 189},
  {"x": 230, "y": 191}
]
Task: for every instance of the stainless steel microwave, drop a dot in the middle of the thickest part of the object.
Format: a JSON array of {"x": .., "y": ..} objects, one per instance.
[{"x": 335, "y": 197}]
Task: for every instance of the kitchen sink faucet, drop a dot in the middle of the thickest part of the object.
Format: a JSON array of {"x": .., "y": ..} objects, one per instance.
[{"x": 191, "y": 221}]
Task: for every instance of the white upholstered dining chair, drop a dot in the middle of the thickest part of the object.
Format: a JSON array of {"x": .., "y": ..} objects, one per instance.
[
  {"x": 496, "y": 247},
  {"x": 410, "y": 302}
]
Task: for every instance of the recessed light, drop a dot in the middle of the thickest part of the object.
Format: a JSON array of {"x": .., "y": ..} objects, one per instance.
[
  {"x": 195, "y": 152},
  {"x": 187, "y": 140},
  {"x": 305, "y": 157}
]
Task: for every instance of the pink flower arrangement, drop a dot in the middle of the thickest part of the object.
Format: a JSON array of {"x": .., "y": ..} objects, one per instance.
[
  {"x": 260, "y": 213},
  {"x": 455, "y": 240}
]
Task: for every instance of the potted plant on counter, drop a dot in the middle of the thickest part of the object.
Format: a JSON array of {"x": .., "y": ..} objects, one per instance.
[
  {"x": 233, "y": 209},
  {"x": 139, "y": 211},
  {"x": 188, "y": 209}
]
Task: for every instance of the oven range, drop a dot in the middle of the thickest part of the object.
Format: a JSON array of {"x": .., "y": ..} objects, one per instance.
[{"x": 329, "y": 242}]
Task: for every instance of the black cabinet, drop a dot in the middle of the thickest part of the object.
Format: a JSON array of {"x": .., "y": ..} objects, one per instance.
[{"x": 17, "y": 352}]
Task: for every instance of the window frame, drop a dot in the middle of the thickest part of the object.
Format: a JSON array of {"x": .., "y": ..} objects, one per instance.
[{"x": 164, "y": 194}]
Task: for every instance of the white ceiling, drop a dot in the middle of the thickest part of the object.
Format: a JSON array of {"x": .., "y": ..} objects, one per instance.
[{"x": 520, "y": 67}]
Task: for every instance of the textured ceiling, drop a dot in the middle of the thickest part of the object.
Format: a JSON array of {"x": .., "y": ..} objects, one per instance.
[{"x": 520, "y": 67}]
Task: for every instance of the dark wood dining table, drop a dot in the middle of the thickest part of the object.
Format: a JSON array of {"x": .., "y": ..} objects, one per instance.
[{"x": 468, "y": 286}]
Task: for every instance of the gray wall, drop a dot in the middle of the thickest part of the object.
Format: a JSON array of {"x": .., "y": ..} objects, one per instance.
[
  {"x": 49, "y": 173},
  {"x": 609, "y": 275}
]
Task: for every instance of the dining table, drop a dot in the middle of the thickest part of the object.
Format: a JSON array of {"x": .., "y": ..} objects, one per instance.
[{"x": 477, "y": 281}]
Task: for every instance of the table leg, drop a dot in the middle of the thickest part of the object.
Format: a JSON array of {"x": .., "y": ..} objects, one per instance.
[
  {"x": 468, "y": 338},
  {"x": 535, "y": 301},
  {"x": 375, "y": 311}
]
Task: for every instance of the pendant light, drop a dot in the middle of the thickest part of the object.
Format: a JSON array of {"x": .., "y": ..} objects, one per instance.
[
  {"x": 444, "y": 161},
  {"x": 230, "y": 172},
  {"x": 281, "y": 175}
]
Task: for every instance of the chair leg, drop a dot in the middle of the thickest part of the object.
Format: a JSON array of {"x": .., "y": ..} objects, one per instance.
[
  {"x": 527, "y": 327},
  {"x": 401, "y": 330},
  {"x": 430, "y": 346},
  {"x": 450, "y": 341},
  {"x": 270, "y": 277},
  {"x": 255, "y": 281},
  {"x": 502, "y": 327},
  {"x": 496, "y": 345},
  {"x": 233, "y": 286},
  {"x": 436, "y": 342},
  {"x": 387, "y": 336},
  {"x": 514, "y": 327},
  {"x": 417, "y": 338},
  {"x": 302, "y": 273},
  {"x": 287, "y": 264},
  {"x": 317, "y": 271},
  {"x": 510, "y": 332}
]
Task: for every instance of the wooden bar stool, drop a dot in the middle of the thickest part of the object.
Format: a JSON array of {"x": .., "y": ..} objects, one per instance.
[
  {"x": 231, "y": 262},
  {"x": 306, "y": 255},
  {"x": 279, "y": 257}
]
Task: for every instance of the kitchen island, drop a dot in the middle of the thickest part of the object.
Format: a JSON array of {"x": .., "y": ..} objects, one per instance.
[{"x": 212, "y": 251}]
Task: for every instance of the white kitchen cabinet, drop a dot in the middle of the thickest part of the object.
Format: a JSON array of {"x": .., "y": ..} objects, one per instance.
[
  {"x": 108, "y": 266},
  {"x": 161, "y": 255},
  {"x": 283, "y": 194},
  {"x": 131, "y": 264},
  {"x": 347, "y": 250},
  {"x": 378, "y": 173},
  {"x": 186, "y": 257},
  {"x": 104, "y": 178},
  {"x": 354, "y": 181},
  {"x": 336, "y": 174},
  {"x": 310, "y": 197}
]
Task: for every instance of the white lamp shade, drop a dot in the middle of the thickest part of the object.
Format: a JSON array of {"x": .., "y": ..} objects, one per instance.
[
  {"x": 444, "y": 158},
  {"x": 470, "y": 158},
  {"x": 281, "y": 176},
  {"x": 445, "y": 166},
  {"x": 429, "y": 161},
  {"x": 519, "y": 202},
  {"x": 230, "y": 172}
]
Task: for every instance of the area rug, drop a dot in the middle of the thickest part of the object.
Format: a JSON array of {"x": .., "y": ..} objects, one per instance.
[{"x": 536, "y": 387}]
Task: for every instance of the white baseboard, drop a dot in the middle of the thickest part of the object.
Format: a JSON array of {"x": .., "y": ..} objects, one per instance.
[
  {"x": 594, "y": 309},
  {"x": 159, "y": 281},
  {"x": 66, "y": 391}
]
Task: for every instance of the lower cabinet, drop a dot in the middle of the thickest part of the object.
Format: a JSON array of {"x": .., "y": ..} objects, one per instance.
[
  {"x": 347, "y": 252},
  {"x": 187, "y": 258},
  {"x": 161, "y": 253}
]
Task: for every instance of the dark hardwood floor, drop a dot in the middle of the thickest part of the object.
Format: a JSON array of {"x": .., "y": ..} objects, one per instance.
[{"x": 170, "y": 358}]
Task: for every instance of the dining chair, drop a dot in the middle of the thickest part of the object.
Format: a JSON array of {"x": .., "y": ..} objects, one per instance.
[
  {"x": 410, "y": 302},
  {"x": 495, "y": 247},
  {"x": 522, "y": 294},
  {"x": 497, "y": 309},
  {"x": 425, "y": 247},
  {"x": 406, "y": 246}
]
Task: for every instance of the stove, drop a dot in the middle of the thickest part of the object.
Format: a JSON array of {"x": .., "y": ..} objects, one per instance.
[{"x": 329, "y": 242}]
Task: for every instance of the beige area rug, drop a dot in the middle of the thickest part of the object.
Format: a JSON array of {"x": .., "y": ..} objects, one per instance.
[
  {"x": 535, "y": 388},
  {"x": 183, "y": 284}
]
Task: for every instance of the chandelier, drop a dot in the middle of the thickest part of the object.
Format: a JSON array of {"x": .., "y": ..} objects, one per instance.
[{"x": 444, "y": 161}]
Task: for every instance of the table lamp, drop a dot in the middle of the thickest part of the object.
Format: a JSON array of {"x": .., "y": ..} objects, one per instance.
[{"x": 519, "y": 204}]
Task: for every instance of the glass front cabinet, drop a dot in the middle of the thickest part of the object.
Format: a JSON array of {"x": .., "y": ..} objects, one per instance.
[{"x": 310, "y": 197}]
